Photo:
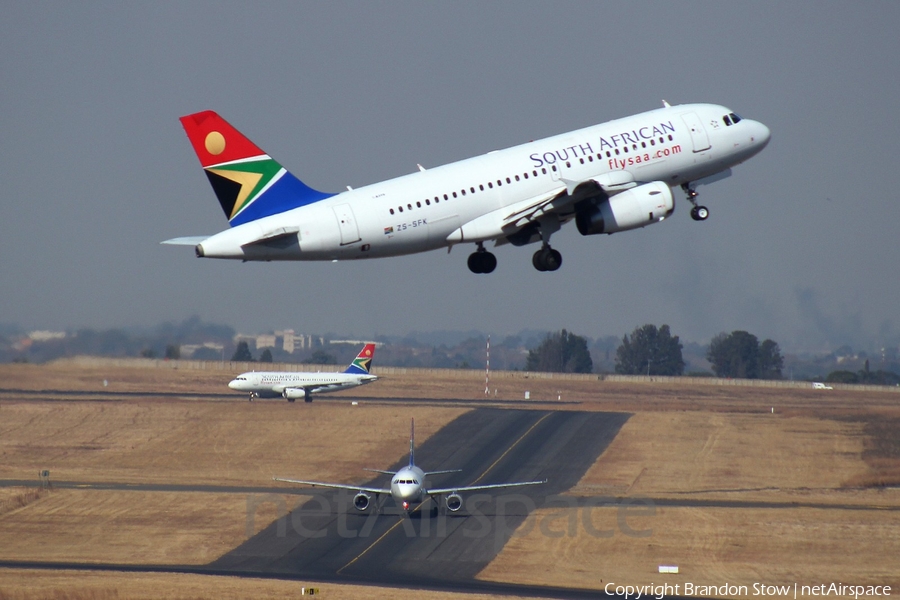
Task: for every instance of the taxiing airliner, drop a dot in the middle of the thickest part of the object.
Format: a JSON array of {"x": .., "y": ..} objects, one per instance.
[
  {"x": 408, "y": 485},
  {"x": 611, "y": 177},
  {"x": 292, "y": 385}
]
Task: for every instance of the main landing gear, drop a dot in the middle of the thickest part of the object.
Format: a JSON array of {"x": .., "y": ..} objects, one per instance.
[
  {"x": 546, "y": 259},
  {"x": 482, "y": 261},
  {"x": 698, "y": 213}
]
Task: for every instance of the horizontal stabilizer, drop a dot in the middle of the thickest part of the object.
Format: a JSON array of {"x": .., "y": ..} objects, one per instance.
[
  {"x": 274, "y": 235},
  {"x": 186, "y": 241}
]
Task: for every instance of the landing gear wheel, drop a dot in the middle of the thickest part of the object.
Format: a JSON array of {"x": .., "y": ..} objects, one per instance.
[
  {"x": 699, "y": 213},
  {"x": 546, "y": 259},
  {"x": 482, "y": 262},
  {"x": 290, "y": 399},
  {"x": 307, "y": 398}
]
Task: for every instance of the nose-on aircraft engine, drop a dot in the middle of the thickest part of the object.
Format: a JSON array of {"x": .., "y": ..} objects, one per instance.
[
  {"x": 291, "y": 394},
  {"x": 454, "y": 502},
  {"x": 361, "y": 501}
]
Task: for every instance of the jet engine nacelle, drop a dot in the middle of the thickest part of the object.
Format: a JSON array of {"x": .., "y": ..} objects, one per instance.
[
  {"x": 361, "y": 501},
  {"x": 631, "y": 209},
  {"x": 453, "y": 502},
  {"x": 294, "y": 394}
]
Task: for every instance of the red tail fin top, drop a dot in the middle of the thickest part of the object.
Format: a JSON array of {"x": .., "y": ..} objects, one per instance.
[{"x": 215, "y": 141}]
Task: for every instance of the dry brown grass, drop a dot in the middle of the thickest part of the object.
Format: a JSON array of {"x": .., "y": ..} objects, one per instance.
[
  {"x": 134, "y": 527},
  {"x": 209, "y": 443},
  {"x": 711, "y": 546},
  {"x": 830, "y": 449},
  {"x": 14, "y": 498},
  {"x": 24, "y": 584},
  {"x": 733, "y": 456}
]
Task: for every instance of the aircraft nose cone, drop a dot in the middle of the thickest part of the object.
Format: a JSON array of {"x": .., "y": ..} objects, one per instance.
[
  {"x": 761, "y": 135},
  {"x": 233, "y": 384}
]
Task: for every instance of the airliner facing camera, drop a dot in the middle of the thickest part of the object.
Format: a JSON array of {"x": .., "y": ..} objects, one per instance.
[
  {"x": 611, "y": 177},
  {"x": 408, "y": 486}
]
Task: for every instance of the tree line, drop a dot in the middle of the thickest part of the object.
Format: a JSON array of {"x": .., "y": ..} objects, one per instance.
[{"x": 655, "y": 351}]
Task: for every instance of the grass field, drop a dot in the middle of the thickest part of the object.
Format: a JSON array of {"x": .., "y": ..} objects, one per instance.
[{"x": 836, "y": 452}]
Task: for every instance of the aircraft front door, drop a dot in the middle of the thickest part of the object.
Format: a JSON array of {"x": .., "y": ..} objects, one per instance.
[
  {"x": 699, "y": 138},
  {"x": 347, "y": 224}
]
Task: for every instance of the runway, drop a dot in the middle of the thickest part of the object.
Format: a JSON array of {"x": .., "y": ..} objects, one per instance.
[
  {"x": 327, "y": 538},
  {"x": 122, "y": 396}
]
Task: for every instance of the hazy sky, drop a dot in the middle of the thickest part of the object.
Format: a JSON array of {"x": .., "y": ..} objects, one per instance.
[{"x": 801, "y": 246}]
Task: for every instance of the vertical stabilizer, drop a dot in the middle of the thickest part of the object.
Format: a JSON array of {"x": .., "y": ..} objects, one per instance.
[
  {"x": 248, "y": 183},
  {"x": 363, "y": 361},
  {"x": 412, "y": 442}
]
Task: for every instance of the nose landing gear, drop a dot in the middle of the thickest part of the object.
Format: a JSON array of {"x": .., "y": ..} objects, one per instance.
[{"x": 698, "y": 213}]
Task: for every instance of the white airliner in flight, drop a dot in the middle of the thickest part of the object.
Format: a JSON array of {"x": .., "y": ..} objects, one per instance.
[
  {"x": 408, "y": 485},
  {"x": 610, "y": 177},
  {"x": 292, "y": 385}
]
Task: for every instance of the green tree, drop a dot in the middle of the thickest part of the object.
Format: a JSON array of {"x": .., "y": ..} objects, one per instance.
[
  {"x": 738, "y": 354},
  {"x": 320, "y": 357},
  {"x": 242, "y": 353},
  {"x": 561, "y": 352},
  {"x": 173, "y": 351},
  {"x": 266, "y": 356},
  {"x": 842, "y": 377},
  {"x": 650, "y": 351},
  {"x": 770, "y": 360}
]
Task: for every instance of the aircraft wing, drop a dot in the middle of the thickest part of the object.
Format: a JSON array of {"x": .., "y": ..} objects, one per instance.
[
  {"x": 337, "y": 486},
  {"x": 474, "y": 488},
  {"x": 558, "y": 202},
  {"x": 442, "y": 472}
]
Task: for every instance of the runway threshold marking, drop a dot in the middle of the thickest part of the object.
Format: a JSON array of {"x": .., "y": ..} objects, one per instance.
[
  {"x": 486, "y": 471},
  {"x": 508, "y": 450}
]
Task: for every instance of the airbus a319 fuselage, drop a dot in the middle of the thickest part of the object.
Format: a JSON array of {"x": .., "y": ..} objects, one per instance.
[{"x": 611, "y": 177}]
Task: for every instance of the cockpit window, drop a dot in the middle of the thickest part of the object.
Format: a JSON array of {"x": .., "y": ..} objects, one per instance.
[
  {"x": 727, "y": 120},
  {"x": 735, "y": 118}
]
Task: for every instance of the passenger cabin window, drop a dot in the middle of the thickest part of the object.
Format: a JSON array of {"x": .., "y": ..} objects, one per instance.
[{"x": 392, "y": 211}]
